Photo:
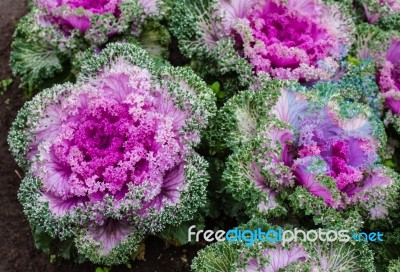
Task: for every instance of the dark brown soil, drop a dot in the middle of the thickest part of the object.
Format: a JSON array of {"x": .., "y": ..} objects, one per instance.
[{"x": 17, "y": 249}]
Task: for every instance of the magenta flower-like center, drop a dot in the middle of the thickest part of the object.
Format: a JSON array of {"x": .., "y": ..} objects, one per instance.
[
  {"x": 108, "y": 149},
  {"x": 339, "y": 159},
  {"x": 280, "y": 26},
  {"x": 102, "y": 141},
  {"x": 341, "y": 169},
  {"x": 334, "y": 149},
  {"x": 113, "y": 137},
  {"x": 276, "y": 25}
]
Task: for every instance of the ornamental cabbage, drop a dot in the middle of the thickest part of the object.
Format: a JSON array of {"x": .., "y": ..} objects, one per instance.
[
  {"x": 95, "y": 20},
  {"x": 273, "y": 257},
  {"x": 299, "y": 40},
  {"x": 310, "y": 151},
  {"x": 381, "y": 48},
  {"x": 53, "y": 34},
  {"x": 110, "y": 159},
  {"x": 388, "y": 78}
]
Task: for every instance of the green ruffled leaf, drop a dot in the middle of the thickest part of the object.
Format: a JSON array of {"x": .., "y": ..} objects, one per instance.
[
  {"x": 43, "y": 241},
  {"x": 179, "y": 234},
  {"x": 218, "y": 257},
  {"x": 34, "y": 62}
]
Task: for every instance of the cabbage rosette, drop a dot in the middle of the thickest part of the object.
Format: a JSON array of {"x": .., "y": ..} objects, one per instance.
[
  {"x": 382, "y": 48},
  {"x": 110, "y": 158},
  {"x": 319, "y": 256},
  {"x": 95, "y": 20},
  {"x": 388, "y": 77},
  {"x": 310, "y": 152},
  {"x": 299, "y": 40},
  {"x": 295, "y": 256},
  {"x": 48, "y": 38}
]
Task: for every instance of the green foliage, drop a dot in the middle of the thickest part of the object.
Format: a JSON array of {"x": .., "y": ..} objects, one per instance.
[
  {"x": 388, "y": 250},
  {"x": 33, "y": 58},
  {"x": 34, "y": 62},
  {"x": 186, "y": 21},
  {"x": 372, "y": 40},
  {"x": 242, "y": 177},
  {"x": 102, "y": 269},
  {"x": 393, "y": 119},
  {"x": 359, "y": 84},
  {"x": 43, "y": 241},
  {"x": 178, "y": 235},
  {"x": 213, "y": 54},
  {"x": 302, "y": 202},
  {"x": 394, "y": 266},
  {"x": 41, "y": 51},
  {"x": 244, "y": 114},
  {"x": 155, "y": 38},
  {"x": 390, "y": 22},
  {"x": 5, "y": 83},
  {"x": 218, "y": 257},
  {"x": 216, "y": 87},
  {"x": 321, "y": 256},
  {"x": 55, "y": 247}
]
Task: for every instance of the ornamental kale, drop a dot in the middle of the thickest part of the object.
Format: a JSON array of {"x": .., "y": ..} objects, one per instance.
[
  {"x": 122, "y": 150},
  {"x": 320, "y": 257},
  {"x": 53, "y": 34},
  {"x": 300, "y": 40},
  {"x": 110, "y": 159},
  {"x": 273, "y": 257},
  {"x": 388, "y": 78},
  {"x": 382, "y": 48},
  {"x": 309, "y": 151}
]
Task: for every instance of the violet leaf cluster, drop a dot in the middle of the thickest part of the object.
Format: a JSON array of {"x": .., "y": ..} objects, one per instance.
[
  {"x": 111, "y": 159},
  {"x": 49, "y": 39},
  {"x": 304, "y": 41},
  {"x": 308, "y": 152},
  {"x": 267, "y": 256}
]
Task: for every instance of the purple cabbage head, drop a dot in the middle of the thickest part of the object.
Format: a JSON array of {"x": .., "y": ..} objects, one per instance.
[
  {"x": 77, "y": 14},
  {"x": 334, "y": 142},
  {"x": 95, "y": 20},
  {"x": 313, "y": 151},
  {"x": 389, "y": 77},
  {"x": 113, "y": 154},
  {"x": 300, "y": 40}
]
